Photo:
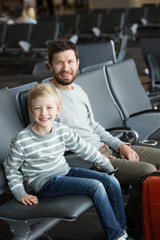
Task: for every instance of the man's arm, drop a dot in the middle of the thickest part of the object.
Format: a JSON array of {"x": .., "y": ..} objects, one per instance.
[{"x": 104, "y": 135}]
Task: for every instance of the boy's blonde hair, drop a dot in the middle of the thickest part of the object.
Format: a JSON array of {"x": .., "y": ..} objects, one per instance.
[{"x": 44, "y": 89}]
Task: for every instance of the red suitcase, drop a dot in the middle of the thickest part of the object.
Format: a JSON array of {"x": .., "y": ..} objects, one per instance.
[{"x": 151, "y": 206}]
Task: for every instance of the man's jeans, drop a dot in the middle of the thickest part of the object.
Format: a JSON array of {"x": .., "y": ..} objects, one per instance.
[{"x": 104, "y": 190}]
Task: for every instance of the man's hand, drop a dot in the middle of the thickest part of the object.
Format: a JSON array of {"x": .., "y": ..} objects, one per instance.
[
  {"x": 28, "y": 200},
  {"x": 128, "y": 153}
]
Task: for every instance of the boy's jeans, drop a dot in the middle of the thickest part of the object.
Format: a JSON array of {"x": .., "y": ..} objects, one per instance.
[{"x": 103, "y": 189}]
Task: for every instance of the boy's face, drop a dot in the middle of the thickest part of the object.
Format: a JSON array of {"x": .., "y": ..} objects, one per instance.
[
  {"x": 44, "y": 111},
  {"x": 64, "y": 67}
]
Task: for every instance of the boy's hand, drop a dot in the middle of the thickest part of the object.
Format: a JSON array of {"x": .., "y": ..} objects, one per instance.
[
  {"x": 109, "y": 156},
  {"x": 28, "y": 200}
]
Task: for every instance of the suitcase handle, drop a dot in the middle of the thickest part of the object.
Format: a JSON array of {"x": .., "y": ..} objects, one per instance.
[
  {"x": 148, "y": 142},
  {"x": 156, "y": 173}
]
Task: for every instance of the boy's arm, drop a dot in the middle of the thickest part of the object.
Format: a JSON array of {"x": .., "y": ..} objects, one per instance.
[
  {"x": 11, "y": 166},
  {"x": 86, "y": 151}
]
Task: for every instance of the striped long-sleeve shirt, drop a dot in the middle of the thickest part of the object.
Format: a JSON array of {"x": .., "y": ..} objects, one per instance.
[{"x": 35, "y": 158}]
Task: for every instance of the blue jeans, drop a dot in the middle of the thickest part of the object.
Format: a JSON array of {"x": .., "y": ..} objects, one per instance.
[{"x": 104, "y": 190}]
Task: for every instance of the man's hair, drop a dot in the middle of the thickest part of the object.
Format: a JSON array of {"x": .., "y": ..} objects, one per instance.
[
  {"x": 44, "y": 89},
  {"x": 60, "y": 45}
]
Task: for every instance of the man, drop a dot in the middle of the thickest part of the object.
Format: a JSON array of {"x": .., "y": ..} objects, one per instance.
[{"x": 133, "y": 163}]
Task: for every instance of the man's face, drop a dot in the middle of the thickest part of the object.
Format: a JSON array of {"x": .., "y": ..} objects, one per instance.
[{"x": 64, "y": 67}]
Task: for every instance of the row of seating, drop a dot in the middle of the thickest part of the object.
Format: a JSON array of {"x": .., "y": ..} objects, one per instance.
[
  {"x": 91, "y": 55},
  {"x": 24, "y": 40},
  {"x": 133, "y": 14},
  {"x": 94, "y": 55},
  {"x": 31, "y": 222},
  {"x": 117, "y": 86},
  {"x": 102, "y": 24},
  {"x": 17, "y": 39},
  {"x": 120, "y": 82},
  {"x": 121, "y": 21}
]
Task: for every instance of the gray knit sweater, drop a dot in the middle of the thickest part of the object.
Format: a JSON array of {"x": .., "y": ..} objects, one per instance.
[
  {"x": 78, "y": 115},
  {"x": 35, "y": 158}
]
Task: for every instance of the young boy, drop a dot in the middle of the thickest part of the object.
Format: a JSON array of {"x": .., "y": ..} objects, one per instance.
[{"x": 36, "y": 156}]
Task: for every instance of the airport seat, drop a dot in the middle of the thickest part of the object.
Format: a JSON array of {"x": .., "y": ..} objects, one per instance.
[
  {"x": 114, "y": 29},
  {"x": 86, "y": 25},
  {"x": 135, "y": 14},
  {"x": 14, "y": 34},
  {"x": 15, "y": 91},
  {"x": 132, "y": 100},
  {"x": 148, "y": 31},
  {"x": 153, "y": 15},
  {"x": 69, "y": 23},
  {"x": 121, "y": 51},
  {"x": 95, "y": 66},
  {"x": 149, "y": 46},
  {"x": 3, "y": 30},
  {"x": 150, "y": 52},
  {"x": 107, "y": 114},
  {"x": 136, "y": 17},
  {"x": 154, "y": 71},
  {"x": 41, "y": 67},
  {"x": 15, "y": 80},
  {"x": 31, "y": 222},
  {"x": 95, "y": 53},
  {"x": 42, "y": 35}
]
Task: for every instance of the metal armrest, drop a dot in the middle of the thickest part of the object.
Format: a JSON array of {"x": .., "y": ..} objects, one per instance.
[
  {"x": 125, "y": 134},
  {"x": 155, "y": 99}
]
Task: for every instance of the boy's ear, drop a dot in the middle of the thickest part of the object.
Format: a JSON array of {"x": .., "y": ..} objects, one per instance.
[
  {"x": 29, "y": 110},
  {"x": 59, "y": 110}
]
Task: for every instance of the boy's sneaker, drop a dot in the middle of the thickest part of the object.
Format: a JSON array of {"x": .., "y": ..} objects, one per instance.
[{"x": 126, "y": 237}]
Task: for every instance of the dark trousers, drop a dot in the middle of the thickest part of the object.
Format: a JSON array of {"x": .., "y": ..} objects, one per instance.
[{"x": 134, "y": 173}]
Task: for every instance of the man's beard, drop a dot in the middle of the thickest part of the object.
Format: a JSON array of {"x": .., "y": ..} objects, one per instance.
[{"x": 62, "y": 82}]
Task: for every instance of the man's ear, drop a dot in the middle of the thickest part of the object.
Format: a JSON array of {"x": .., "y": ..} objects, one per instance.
[
  {"x": 78, "y": 62},
  {"x": 59, "y": 110},
  {"x": 50, "y": 68}
]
